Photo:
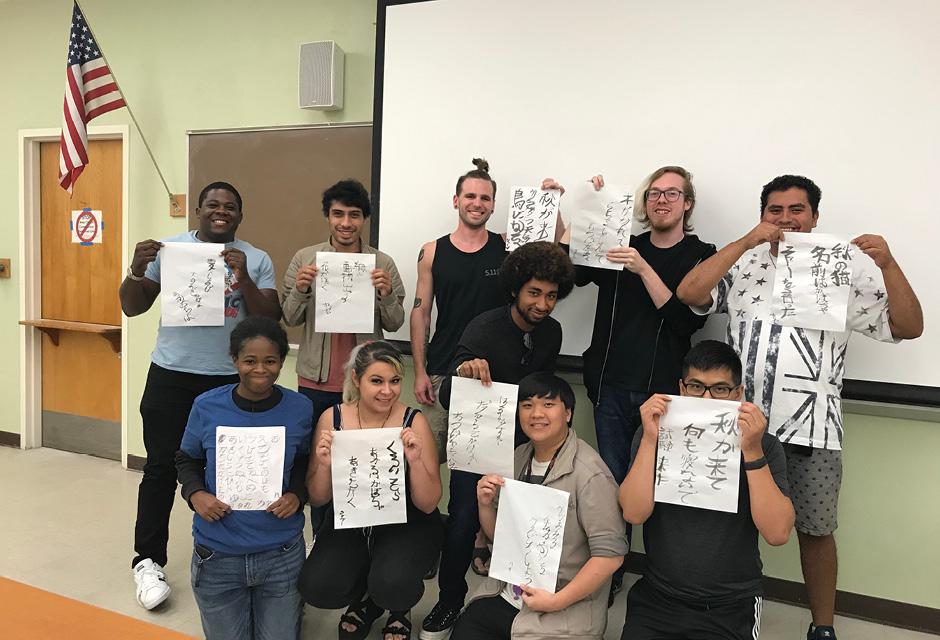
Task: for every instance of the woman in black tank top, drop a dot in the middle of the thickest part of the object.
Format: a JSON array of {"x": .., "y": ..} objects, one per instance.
[{"x": 379, "y": 568}]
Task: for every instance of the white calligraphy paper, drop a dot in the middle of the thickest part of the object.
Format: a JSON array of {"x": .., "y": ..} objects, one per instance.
[
  {"x": 249, "y": 466},
  {"x": 698, "y": 456},
  {"x": 533, "y": 213},
  {"x": 530, "y": 530},
  {"x": 368, "y": 471},
  {"x": 481, "y": 426},
  {"x": 192, "y": 284},
  {"x": 813, "y": 281},
  {"x": 601, "y": 221},
  {"x": 345, "y": 294}
]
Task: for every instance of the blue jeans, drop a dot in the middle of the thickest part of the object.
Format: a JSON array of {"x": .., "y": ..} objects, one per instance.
[
  {"x": 249, "y": 597},
  {"x": 616, "y": 420},
  {"x": 322, "y": 400}
]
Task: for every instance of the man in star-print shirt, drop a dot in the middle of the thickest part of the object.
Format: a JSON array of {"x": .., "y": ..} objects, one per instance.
[{"x": 795, "y": 374}]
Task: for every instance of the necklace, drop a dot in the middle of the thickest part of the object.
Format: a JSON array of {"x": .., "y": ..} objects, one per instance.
[{"x": 359, "y": 415}]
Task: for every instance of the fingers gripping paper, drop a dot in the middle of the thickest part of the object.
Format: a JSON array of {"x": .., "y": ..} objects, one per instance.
[
  {"x": 368, "y": 472},
  {"x": 813, "y": 281},
  {"x": 530, "y": 530},
  {"x": 345, "y": 295},
  {"x": 533, "y": 214},
  {"x": 698, "y": 456},
  {"x": 481, "y": 426},
  {"x": 192, "y": 284},
  {"x": 601, "y": 221},
  {"x": 249, "y": 466}
]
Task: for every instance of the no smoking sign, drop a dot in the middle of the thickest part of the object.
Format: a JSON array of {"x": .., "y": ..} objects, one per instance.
[{"x": 86, "y": 227}]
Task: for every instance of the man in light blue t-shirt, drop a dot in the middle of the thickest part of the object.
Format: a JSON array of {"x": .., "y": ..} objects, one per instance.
[{"x": 186, "y": 362}]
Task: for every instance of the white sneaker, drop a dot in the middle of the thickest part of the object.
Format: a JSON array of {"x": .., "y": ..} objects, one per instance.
[{"x": 152, "y": 588}]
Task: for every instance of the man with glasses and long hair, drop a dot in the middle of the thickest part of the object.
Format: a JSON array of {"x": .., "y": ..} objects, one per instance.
[
  {"x": 641, "y": 329},
  {"x": 503, "y": 345},
  {"x": 703, "y": 575}
]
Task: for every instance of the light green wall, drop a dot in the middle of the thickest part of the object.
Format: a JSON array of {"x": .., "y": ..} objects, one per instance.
[{"x": 218, "y": 64}]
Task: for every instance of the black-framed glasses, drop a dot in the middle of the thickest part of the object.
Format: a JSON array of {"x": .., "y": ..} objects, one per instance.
[
  {"x": 698, "y": 389},
  {"x": 672, "y": 195}
]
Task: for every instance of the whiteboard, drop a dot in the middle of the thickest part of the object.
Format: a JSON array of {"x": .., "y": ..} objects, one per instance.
[{"x": 845, "y": 92}]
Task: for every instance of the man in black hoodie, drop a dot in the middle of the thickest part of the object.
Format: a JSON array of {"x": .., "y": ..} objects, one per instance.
[{"x": 641, "y": 329}]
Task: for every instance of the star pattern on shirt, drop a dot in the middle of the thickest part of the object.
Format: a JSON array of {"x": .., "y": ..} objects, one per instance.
[
  {"x": 746, "y": 276},
  {"x": 756, "y": 299},
  {"x": 760, "y": 281},
  {"x": 764, "y": 265},
  {"x": 741, "y": 292},
  {"x": 739, "y": 313},
  {"x": 871, "y": 328},
  {"x": 858, "y": 293},
  {"x": 862, "y": 311},
  {"x": 880, "y": 294},
  {"x": 752, "y": 261}
]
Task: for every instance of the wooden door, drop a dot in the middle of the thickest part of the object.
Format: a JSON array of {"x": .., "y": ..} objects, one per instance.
[{"x": 81, "y": 375}]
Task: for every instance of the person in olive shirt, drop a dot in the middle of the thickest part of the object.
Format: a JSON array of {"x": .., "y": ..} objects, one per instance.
[{"x": 703, "y": 575}]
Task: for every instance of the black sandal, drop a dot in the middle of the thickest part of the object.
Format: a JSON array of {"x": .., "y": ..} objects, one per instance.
[
  {"x": 483, "y": 554},
  {"x": 362, "y": 615},
  {"x": 401, "y": 617}
]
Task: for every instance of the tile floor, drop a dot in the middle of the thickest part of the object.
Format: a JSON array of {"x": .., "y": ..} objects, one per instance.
[{"x": 69, "y": 525}]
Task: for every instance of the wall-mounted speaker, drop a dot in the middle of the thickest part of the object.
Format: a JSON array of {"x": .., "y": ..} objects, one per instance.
[{"x": 321, "y": 75}]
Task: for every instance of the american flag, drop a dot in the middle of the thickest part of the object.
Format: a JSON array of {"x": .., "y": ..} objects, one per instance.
[{"x": 90, "y": 91}]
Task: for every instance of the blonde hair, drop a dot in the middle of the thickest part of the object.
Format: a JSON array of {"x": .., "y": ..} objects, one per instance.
[
  {"x": 362, "y": 357},
  {"x": 688, "y": 190}
]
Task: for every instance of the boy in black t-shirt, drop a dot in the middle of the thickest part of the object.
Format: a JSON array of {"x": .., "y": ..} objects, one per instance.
[{"x": 703, "y": 577}]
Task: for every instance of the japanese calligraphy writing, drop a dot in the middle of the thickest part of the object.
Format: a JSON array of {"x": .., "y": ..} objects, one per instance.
[
  {"x": 192, "y": 285},
  {"x": 249, "y": 466},
  {"x": 345, "y": 296},
  {"x": 368, "y": 475},
  {"x": 533, "y": 214},
  {"x": 602, "y": 221},
  {"x": 480, "y": 426}
]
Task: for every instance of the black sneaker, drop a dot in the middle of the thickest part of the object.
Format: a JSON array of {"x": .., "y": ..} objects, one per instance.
[
  {"x": 820, "y": 633},
  {"x": 439, "y": 623}
]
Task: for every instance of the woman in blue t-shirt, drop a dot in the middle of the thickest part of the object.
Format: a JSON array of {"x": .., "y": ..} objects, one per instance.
[
  {"x": 373, "y": 569},
  {"x": 248, "y": 550}
]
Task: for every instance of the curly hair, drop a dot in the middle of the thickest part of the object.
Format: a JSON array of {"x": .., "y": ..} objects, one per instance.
[
  {"x": 538, "y": 261},
  {"x": 349, "y": 193},
  {"x": 258, "y": 327}
]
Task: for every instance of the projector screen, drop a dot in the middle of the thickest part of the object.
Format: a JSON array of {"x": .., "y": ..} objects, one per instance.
[{"x": 845, "y": 92}]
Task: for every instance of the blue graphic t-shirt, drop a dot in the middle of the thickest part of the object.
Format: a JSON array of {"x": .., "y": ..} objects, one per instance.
[{"x": 204, "y": 350}]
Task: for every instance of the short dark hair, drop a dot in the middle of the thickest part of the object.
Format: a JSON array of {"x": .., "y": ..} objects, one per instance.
[
  {"x": 220, "y": 185},
  {"x": 542, "y": 384},
  {"x": 350, "y": 193},
  {"x": 258, "y": 327},
  {"x": 708, "y": 355},
  {"x": 482, "y": 172},
  {"x": 783, "y": 183},
  {"x": 540, "y": 261}
]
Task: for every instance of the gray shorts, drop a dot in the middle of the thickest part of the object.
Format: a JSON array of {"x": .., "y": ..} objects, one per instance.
[
  {"x": 436, "y": 416},
  {"x": 814, "y": 482}
]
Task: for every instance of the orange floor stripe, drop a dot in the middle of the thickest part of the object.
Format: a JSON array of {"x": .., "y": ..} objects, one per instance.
[{"x": 28, "y": 613}]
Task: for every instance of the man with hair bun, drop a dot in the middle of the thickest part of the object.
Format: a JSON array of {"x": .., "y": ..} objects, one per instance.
[{"x": 503, "y": 345}]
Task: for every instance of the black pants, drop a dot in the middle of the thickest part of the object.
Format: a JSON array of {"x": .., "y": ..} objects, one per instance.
[
  {"x": 322, "y": 400},
  {"x": 654, "y": 615},
  {"x": 387, "y": 562},
  {"x": 486, "y": 619},
  {"x": 463, "y": 522},
  {"x": 165, "y": 406}
]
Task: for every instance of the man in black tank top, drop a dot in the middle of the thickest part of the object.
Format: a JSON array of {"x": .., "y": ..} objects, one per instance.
[{"x": 460, "y": 272}]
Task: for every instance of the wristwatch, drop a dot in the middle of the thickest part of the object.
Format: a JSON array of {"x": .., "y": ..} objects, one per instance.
[
  {"x": 133, "y": 276},
  {"x": 753, "y": 465}
]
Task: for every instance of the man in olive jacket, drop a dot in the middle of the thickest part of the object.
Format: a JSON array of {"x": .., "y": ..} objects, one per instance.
[{"x": 323, "y": 355}]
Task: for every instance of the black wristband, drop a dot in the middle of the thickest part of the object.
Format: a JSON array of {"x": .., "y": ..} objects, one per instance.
[{"x": 753, "y": 465}]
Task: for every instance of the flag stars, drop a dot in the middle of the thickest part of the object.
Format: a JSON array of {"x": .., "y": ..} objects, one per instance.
[
  {"x": 761, "y": 281},
  {"x": 756, "y": 299},
  {"x": 739, "y": 313},
  {"x": 746, "y": 276},
  {"x": 741, "y": 292},
  {"x": 764, "y": 265},
  {"x": 879, "y": 295},
  {"x": 862, "y": 311}
]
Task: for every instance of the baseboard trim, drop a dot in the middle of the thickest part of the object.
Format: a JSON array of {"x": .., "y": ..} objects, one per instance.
[
  {"x": 853, "y": 605},
  {"x": 9, "y": 439},
  {"x": 135, "y": 463}
]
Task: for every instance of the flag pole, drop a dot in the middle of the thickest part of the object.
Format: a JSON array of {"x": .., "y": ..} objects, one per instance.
[{"x": 127, "y": 104}]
